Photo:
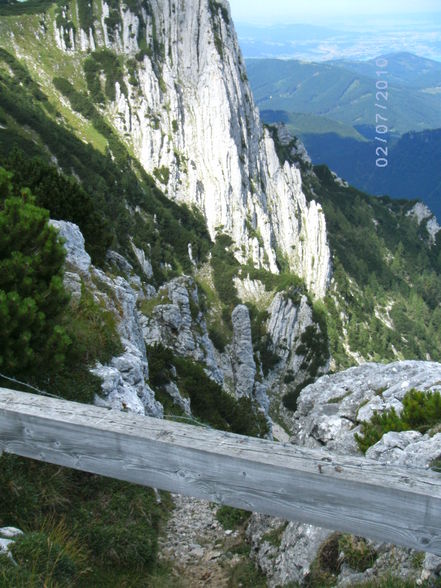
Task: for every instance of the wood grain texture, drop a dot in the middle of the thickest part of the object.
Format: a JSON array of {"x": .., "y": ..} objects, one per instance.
[{"x": 345, "y": 493}]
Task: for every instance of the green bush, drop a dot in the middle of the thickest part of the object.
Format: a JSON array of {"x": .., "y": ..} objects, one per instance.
[
  {"x": 290, "y": 399},
  {"x": 32, "y": 296},
  {"x": 421, "y": 411},
  {"x": 106, "y": 63},
  {"x": 225, "y": 267},
  {"x": 218, "y": 338}
]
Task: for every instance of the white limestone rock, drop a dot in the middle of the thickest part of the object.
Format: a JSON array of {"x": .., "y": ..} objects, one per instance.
[
  {"x": 124, "y": 384},
  {"x": 420, "y": 212},
  {"x": 183, "y": 403},
  {"x": 10, "y": 532},
  {"x": 124, "y": 378},
  {"x": 408, "y": 448},
  {"x": 76, "y": 254},
  {"x": 244, "y": 366},
  {"x": 5, "y": 546},
  {"x": 352, "y": 396},
  {"x": 172, "y": 324},
  {"x": 7, "y": 538}
]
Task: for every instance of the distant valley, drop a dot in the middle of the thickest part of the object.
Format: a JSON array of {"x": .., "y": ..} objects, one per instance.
[{"x": 332, "y": 107}]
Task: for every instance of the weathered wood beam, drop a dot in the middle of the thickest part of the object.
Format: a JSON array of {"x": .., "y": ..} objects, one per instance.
[{"x": 350, "y": 494}]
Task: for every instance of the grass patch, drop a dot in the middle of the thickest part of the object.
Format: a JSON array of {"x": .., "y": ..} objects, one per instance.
[
  {"x": 244, "y": 574},
  {"x": 77, "y": 525},
  {"x": 357, "y": 553},
  {"x": 232, "y": 518}
]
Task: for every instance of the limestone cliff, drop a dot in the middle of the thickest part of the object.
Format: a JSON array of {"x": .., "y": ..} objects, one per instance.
[{"x": 183, "y": 105}]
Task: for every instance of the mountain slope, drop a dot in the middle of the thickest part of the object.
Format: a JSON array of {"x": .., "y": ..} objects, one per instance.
[
  {"x": 160, "y": 65},
  {"x": 403, "y": 69},
  {"x": 336, "y": 92}
]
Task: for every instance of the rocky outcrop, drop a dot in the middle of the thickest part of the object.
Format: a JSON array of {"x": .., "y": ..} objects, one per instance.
[
  {"x": 174, "y": 320},
  {"x": 187, "y": 111},
  {"x": 7, "y": 537},
  {"x": 329, "y": 413},
  {"x": 244, "y": 366},
  {"x": 244, "y": 370},
  {"x": 124, "y": 378},
  {"x": 423, "y": 215},
  {"x": 286, "y": 324}
]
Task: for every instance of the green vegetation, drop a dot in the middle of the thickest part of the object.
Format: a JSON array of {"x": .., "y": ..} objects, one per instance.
[
  {"x": 245, "y": 573},
  {"x": 209, "y": 402},
  {"x": 162, "y": 174},
  {"x": 232, "y": 518},
  {"x": 77, "y": 526},
  {"x": 387, "y": 287},
  {"x": 356, "y": 552},
  {"x": 46, "y": 557},
  {"x": 326, "y": 566},
  {"x": 106, "y": 63},
  {"x": 225, "y": 269},
  {"x": 92, "y": 331},
  {"x": 345, "y": 96},
  {"x": 421, "y": 411},
  {"x": 112, "y": 180},
  {"x": 32, "y": 295},
  {"x": 303, "y": 125},
  {"x": 64, "y": 198},
  {"x": 217, "y": 9},
  {"x": 16, "y": 8}
]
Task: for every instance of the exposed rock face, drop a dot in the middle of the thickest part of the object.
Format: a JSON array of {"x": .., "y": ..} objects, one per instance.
[
  {"x": 244, "y": 366},
  {"x": 328, "y": 409},
  {"x": 124, "y": 379},
  {"x": 177, "y": 323},
  {"x": 329, "y": 413},
  {"x": 286, "y": 324},
  {"x": 191, "y": 112},
  {"x": 7, "y": 538},
  {"x": 73, "y": 242},
  {"x": 422, "y": 213}
]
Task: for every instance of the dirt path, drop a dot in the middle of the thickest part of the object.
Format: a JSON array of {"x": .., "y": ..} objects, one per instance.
[{"x": 197, "y": 546}]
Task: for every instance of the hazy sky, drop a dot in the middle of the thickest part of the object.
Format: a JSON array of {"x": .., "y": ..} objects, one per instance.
[{"x": 273, "y": 11}]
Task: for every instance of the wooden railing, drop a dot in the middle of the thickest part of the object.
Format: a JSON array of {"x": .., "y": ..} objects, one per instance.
[{"x": 345, "y": 493}]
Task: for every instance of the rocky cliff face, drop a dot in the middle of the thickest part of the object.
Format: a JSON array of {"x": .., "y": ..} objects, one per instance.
[{"x": 184, "y": 106}]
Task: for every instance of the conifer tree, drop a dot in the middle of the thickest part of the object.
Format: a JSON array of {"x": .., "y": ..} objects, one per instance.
[{"x": 32, "y": 295}]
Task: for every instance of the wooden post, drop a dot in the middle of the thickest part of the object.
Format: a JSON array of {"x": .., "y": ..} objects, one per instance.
[{"x": 346, "y": 493}]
